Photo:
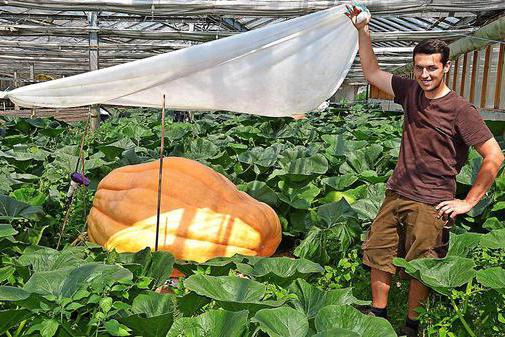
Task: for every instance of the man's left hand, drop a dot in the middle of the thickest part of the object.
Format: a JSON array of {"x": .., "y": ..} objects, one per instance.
[{"x": 452, "y": 208}]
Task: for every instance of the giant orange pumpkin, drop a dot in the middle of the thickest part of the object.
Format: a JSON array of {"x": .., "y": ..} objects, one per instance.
[{"x": 203, "y": 214}]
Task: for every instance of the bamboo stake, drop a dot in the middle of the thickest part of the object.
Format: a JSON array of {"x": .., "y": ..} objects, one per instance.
[{"x": 160, "y": 175}]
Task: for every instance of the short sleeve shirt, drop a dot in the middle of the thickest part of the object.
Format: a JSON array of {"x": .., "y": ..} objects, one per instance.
[{"x": 437, "y": 134}]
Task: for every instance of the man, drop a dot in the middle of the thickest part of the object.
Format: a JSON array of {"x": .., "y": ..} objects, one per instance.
[{"x": 438, "y": 130}]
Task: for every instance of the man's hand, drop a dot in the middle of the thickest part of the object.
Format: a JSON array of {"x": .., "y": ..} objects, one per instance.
[
  {"x": 452, "y": 208},
  {"x": 359, "y": 18}
]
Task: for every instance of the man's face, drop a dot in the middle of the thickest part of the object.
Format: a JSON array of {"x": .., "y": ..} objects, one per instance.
[{"x": 429, "y": 71}]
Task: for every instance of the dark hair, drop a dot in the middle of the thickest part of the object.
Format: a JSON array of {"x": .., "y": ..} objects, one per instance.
[{"x": 433, "y": 46}]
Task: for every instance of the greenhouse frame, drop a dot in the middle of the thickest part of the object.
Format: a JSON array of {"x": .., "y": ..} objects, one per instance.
[{"x": 202, "y": 168}]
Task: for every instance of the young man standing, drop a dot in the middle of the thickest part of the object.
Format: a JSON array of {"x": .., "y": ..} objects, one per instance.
[{"x": 438, "y": 129}]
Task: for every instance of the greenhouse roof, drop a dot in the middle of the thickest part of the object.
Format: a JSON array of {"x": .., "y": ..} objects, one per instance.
[{"x": 53, "y": 36}]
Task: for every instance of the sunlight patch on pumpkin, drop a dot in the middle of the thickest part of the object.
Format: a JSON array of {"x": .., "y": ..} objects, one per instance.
[{"x": 219, "y": 234}]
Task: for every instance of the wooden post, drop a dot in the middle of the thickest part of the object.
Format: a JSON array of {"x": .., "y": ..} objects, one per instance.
[
  {"x": 32, "y": 78},
  {"x": 94, "y": 110},
  {"x": 449, "y": 76},
  {"x": 499, "y": 77},
  {"x": 475, "y": 64},
  {"x": 455, "y": 75},
  {"x": 15, "y": 78},
  {"x": 463, "y": 76},
  {"x": 483, "y": 93}
]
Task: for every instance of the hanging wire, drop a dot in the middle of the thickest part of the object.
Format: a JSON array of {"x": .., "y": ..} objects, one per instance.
[{"x": 160, "y": 175}]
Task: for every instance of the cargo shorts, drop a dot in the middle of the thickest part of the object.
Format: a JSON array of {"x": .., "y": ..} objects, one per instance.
[{"x": 404, "y": 228}]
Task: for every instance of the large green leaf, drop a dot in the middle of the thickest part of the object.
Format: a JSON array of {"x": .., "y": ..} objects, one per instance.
[
  {"x": 264, "y": 157},
  {"x": 341, "y": 182},
  {"x": 213, "y": 323},
  {"x": 300, "y": 197},
  {"x": 260, "y": 191},
  {"x": 48, "y": 282},
  {"x": 368, "y": 207},
  {"x": 13, "y": 294},
  {"x": 313, "y": 246},
  {"x": 12, "y": 318},
  {"x": 470, "y": 170},
  {"x": 226, "y": 288},
  {"x": 493, "y": 278},
  {"x": 280, "y": 270},
  {"x": 66, "y": 281},
  {"x": 153, "y": 304},
  {"x": 156, "y": 326},
  {"x": 348, "y": 318},
  {"x": 203, "y": 149},
  {"x": 93, "y": 274},
  {"x": 494, "y": 240},
  {"x": 339, "y": 145},
  {"x": 25, "y": 152},
  {"x": 7, "y": 230},
  {"x": 463, "y": 244},
  {"x": 442, "y": 275},
  {"x": 335, "y": 213},
  {"x": 160, "y": 267},
  {"x": 153, "y": 314},
  {"x": 11, "y": 208},
  {"x": 29, "y": 195},
  {"x": 282, "y": 322},
  {"x": 46, "y": 259},
  {"x": 351, "y": 196},
  {"x": 298, "y": 162},
  {"x": 114, "y": 149},
  {"x": 311, "y": 299},
  {"x": 362, "y": 160},
  {"x": 191, "y": 303}
]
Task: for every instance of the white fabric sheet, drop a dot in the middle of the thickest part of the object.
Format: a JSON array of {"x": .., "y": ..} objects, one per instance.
[{"x": 279, "y": 70}]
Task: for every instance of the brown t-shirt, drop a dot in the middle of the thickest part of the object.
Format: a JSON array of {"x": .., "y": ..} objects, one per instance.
[{"x": 437, "y": 134}]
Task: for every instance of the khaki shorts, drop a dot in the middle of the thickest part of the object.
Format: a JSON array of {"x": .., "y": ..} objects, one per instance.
[{"x": 404, "y": 228}]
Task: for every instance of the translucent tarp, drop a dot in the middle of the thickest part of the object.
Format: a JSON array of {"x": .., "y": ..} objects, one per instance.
[{"x": 279, "y": 70}]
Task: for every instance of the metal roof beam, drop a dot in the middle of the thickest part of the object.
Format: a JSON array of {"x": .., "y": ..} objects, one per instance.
[
  {"x": 252, "y": 8},
  {"x": 27, "y": 30},
  {"x": 80, "y": 46}
]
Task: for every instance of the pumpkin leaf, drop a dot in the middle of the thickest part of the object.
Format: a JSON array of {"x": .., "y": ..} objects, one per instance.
[
  {"x": 442, "y": 275},
  {"x": 282, "y": 321},
  {"x": 7, "y": 230},
  {"x": 11, "y": 209},
  {"x": 298, "y": 197},
  {"x": 280, "y": 270},
  {"x": 494, "y": 239},
  {"x": 260, "y": 191},
  {"x": 12, "y": 318},
  {"x": 213, "y": 323},
  {"x": 153, "y": 304},
  {"x": 311, "y": 299},
  {"x": 341, "y": 182},
  {"x": 226, "y": 288},
  {"x": 493, "y": 278},
  {"x": 348, "y": 318},
  {"x": 313, "y": 247}
]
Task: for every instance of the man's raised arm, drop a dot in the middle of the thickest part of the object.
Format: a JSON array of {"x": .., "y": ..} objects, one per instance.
[{"x": 373, "y": 74}]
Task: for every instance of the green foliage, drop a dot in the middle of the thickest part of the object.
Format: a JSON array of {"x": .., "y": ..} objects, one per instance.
[{"x": 324, "y": 176}]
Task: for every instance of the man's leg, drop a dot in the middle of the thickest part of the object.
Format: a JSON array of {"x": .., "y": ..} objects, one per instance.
[
  {"x": 381, "y": 283},
  {"x": 418, "y": 294}
]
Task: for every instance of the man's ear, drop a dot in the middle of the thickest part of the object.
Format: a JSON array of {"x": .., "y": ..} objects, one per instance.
[{"x": 447, "y": 67}]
